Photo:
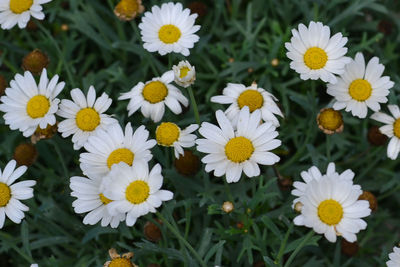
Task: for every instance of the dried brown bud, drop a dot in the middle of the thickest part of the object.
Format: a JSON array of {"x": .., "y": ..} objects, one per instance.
[
  {"x": 227, "y": 206},
  {"x": 152, "y": 232},
  {"x": 3, "y": 85},
  {"x": 373, "y": 203},
  {"x": 188, "y": 164},
  {"x": 46, "y": 133},
  {"x": 198, "y": 7},
  {"x": 349, "y": 249},
  {"x": 35, "y": 62},
  {"x": 25, "y": 154},
  {"x": 375, "y": 137}
]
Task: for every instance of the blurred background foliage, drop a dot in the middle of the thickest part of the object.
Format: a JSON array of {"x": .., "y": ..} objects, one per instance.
[{"x": 240, "y": 41}]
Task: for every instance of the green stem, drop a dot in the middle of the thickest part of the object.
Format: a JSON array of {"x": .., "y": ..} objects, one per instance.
[
  {"x": 301, "y": 245},
  {"x": 59, "y": 154},
  {"x": 283, "y": 245},
  {"x": 183, "y": 240},
  {"x": 194, "y": 105},
  {"x": 328, "y": 147}
]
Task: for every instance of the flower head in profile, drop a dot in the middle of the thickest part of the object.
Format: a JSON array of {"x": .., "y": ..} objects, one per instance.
[
  {"x": 315, "y": 54},
  {"x": 185, "y": 74},
  {"x": 169, "y": 28},
  {"x": 233, "y": 151},
  {"x": 391, "y": 129},
  {"x": 127, "y": 10},
  {"x": 28, "y": 105},
  {"x": 13, "y": 12},
  {"x": 118, "y": 260},
  {"x": 152, "y": 97},
  {"x": 361, "y": 87}
]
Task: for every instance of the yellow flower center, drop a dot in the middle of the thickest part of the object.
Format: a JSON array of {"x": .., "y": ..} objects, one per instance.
[
  {"x": 137, "y": 192},
  {"x": 330, "y": 212},
  {"x": 120, "y": 154},
  {"x": 169, "y": 34},
  {"x": 37, "y": 106},
  {"x": 127, "y": 7},
  {"x": 396, "y": 128},
  {"x": 20, "y": 6},
  {"x": 251, "y": 98},
  {"x": 330, "y": 119},
  {"x": 87, "y": 119},
  {"x": 183, "y": 72},
  {"x": 120, "y": 262},
  {"x": 5, "y": 194},
  {"x": 315, "y": 58},
  {"x": 360, "y": 90},
  {"x": 104, "y": 200},
  {"x": 155, "y": 92},
  {"x": 239, "y": 149},
  {"x": 167, "y": 133}
]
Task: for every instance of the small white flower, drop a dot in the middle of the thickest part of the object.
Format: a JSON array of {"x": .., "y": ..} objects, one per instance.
[
  {"x": 253, "y": 97},
  {"x": 84, "y": 115},
  {"x": 394, "y": 258},
  {"x": 134, "y": 191},
  {"x": 361, "y": 87},
  {"x": 169, "y": 134},
  {"x": 90, "y": 199},
  {"x": 34, "y": 265},
  {"x": 19, "y": 12},
  {"x": 391, "y": 129},
  {"x": 11, "y": 193},
  {"x": 152, "y": 97},
  {"x": 330, "y": 205},
  {"x": 28, "y": 106},
  {"x": 169, "y": 29},
  {"x": 232, "y": 152},
  {"x": 316, "y": 55},
  {"x": 111, "y": 146},
  {"x": 185, "y": 74}
]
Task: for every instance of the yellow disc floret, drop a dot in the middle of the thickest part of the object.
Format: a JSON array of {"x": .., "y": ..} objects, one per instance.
[
  {"x": 360, "y": 90},
  {"x": 5, "y": 194},
  {"x": 20, "y": 6},
  {"x": 330, "y": 119},
  {"x": 103, "y": 199},
  {"x": 169, "y": 34},
  {"x": 239, "y": 149},
  {"x": 251, "y": 98},
  {"x": 396, "y": 128},
  {"x": 120, "y": 262},
  {"x": 167, "y": 133},
  {"x": 37, "y": 106},
  {"x": 330, "y": 212},
  {"x": 183, "y": 72},
  {"x": 315, "y": 58},
  {"x": 155, "y": 92},
  {"x": 137, "y": 192},
  {"x": 120, "y": 154},
  {"x": 87, "y": 119}
]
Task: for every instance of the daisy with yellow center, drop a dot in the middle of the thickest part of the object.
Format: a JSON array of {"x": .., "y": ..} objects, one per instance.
[
  {"x": 112, "y": 146},
  {"x": 255, "y": 98},
  {"x": 315, "y": 54},
  {"x": 84, "y": 115},
  {"x": 118, "y": 260},
  {"x": 361, "y": 87},
  {"x": 329, "y": 204},
  {"x": 169, "y": 134},
  {"x": 90, "y": 200},
  {"x": 13, "y": 12},
  {"x": 134, "y": 190},
  {"x": 231, "y": 151},
  {"x": 330, "y": 121},
  {"x": 185, "y": 74},
  {"x": 391, "y": 129},
  {"x": 152, "y": 97},
  {"x": 127, "y": 10},
  {"x": 11, "y": 193},
  {"x": 28, "y": 105},
  {"x": 166, "y": 33}
]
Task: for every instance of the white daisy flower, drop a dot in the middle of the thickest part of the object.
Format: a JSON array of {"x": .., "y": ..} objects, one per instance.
[
  {"x": 232, "y": 152},
  {"x": 11, "y": 193},
  {"x": 153, "y": 95},
  {"x": 169, "y": 134},
  {"x": 27, "y": 105},
  {"x": 361, "y": 87},
  {"x": 315, "y": 54},
  {"x": 13, "y": 12},
  {"x": 169, "y": 29},
  {"x": 253, "y": 97},
  {"x": 111, "y": 146},
  {"x": 331, "y": 207},
  {"x": 394, "y": 258},
  {"x": 84, "y": 115},
  {"x": 90, "y": 199},
  {"x": 391, "y": 129},
  {"x": 185, "y": 74},
  {"x": 134, "y": 191}
]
